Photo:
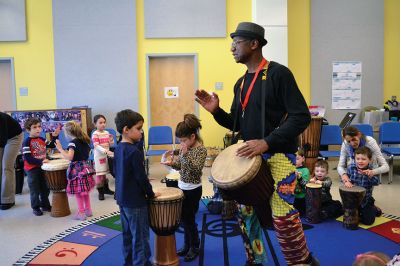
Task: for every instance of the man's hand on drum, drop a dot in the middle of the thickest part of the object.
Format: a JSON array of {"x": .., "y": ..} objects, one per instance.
[
  {"x": 45, "y": 161},
  {"x": 210, "y": 102},
  {"x": 157, "y": 194},
  {"x": 252, "y": 148}
]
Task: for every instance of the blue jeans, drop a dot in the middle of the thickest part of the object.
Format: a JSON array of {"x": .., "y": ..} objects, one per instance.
[
  {"x": 38, "y": 188},
  {"x": 136, "y": 236}
]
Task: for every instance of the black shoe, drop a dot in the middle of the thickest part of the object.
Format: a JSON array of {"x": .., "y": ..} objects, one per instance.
[
  {"x": 107, "y": 189},
  {"x": 192, "y": 254},
  {"x": 46, "y": 209},
  {"x": 182, "y": 251},
  {"x": 253, "y": 264},
  {"x": 37, "y": 212},
  {"x": 314, "y": 262},
  {"x": 6, "y": 206},
  {"x": 101, "y": 193}
]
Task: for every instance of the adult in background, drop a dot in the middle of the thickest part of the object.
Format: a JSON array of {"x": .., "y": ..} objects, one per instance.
[
  {"x": 285, "y": 116},
  {"x": 354, "y": 139},
  {"x": 11, "y": 138}
]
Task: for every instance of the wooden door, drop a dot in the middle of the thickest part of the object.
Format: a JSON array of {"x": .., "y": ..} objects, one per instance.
[
  {"x": 7, "y": 101},
  {"x": 171, "y": 71}
]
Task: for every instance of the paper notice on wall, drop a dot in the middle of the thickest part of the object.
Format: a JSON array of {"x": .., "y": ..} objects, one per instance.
[
  {"x": 171, "y": 92},
  {"x": 346, "y": 84}
]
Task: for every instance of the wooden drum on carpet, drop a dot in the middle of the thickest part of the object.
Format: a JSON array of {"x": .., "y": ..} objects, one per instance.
[
  {"x": 165, "y": 215},
  {"x": 313, "y": 202},
  {"x": 248, "y": 181},
  {"x": 351, "y": 199},
  {"x": 56, "y": 176}
]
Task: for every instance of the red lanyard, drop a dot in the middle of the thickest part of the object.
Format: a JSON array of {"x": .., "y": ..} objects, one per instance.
[{"x": 246, "y": 99}]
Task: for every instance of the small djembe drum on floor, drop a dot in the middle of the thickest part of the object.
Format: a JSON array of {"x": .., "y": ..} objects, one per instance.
[
  {"x": 313, "y": 202},
  {"x": 171, "y": 180},
  {"x": 351, "y": 199},
  {"x": 56, "y": 176},
  {"x": 165, "y": 215}
]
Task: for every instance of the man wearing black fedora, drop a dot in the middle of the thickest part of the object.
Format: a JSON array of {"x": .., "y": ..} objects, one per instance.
[{"x": 270, "y": 112}]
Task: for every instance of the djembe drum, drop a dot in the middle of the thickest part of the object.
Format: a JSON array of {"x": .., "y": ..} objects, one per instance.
[
  {"x": 248, "y": 181},
  {"x": 351, "y": 199},
  {"x": 171, "y": 180},
  {"x": 56, "y": 176},
  {"x": 165, "y": 215},
  {"x": 309, "y": 141},
  {"x": 313, "y": 202}
]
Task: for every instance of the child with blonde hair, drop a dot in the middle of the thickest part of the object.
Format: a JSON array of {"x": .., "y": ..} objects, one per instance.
[
  {"x": 80, "y": 171},
  {"x": 102, "y": 141},
  {"x": 371, "y": 258}
]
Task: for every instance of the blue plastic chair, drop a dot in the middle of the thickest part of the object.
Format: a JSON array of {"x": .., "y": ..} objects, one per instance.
[
  {"x": 114, "y": 134},
  {"x": 366, "y": 129},
  {"x": 63, "y": 139},
  {"x": 389, "y": 133},
  {"x": 159, "y": 135},
  {"x": 330, "y": 135}
]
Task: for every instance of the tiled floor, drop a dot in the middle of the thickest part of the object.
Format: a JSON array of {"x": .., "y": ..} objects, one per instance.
[{"x": 21, "y": 231}]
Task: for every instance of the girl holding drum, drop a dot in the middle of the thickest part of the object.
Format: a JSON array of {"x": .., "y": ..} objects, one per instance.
[
  {"x": 190, "y": 163},
  {"x": 80, "y": 171}
]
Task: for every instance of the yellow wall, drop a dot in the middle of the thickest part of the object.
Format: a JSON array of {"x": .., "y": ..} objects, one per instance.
[
  {"x": 391, "y": 76},
  {"x": 215, "y": 63},
  {"x": 299, "y": 39},
  {"x": 34, "y": 59}
]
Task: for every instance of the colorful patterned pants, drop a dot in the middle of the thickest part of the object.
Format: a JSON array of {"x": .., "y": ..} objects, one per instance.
[{"x": 286, "y": 219}]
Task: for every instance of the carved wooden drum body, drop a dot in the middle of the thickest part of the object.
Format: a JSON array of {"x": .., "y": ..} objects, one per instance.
[
  {"x": 313, "y": 202},
  {"x": 351, "y": 199},
  {"x": 56, "y": 176},
  {"x": 165, "y": 215},
  {"x": 248, "y": 181}
]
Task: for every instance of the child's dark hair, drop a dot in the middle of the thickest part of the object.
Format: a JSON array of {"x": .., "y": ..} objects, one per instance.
[
  {"x": 73, "y": 129},
  {"x": 30, "y": 122},
  {"x": 190, "y": 125},
  {"x": 127, "y": 118},
  {"x": 322, "y": 164},
  {"x": 97, "y": 117},
  {"x": 364, "y": 151}
]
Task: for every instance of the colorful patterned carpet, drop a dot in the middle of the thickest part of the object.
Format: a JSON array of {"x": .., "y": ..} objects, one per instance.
[{"x": 99, "y": 242}]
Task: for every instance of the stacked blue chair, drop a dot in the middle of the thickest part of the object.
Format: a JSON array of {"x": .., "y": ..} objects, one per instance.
[
  {"x": 330, "y": 135},
  {"x": 389, "y": 134},
  {"x": 366, "y": 129}
]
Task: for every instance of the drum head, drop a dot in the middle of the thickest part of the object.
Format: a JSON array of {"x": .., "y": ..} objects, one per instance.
[
  {"x": 352, "y": 189},
  {"x": 56, "y": 156},
  {"x": 313, "y": 185},
  {"x": 173, "y": 176},
  {"x": 168, "y": 193},
  {"x": 229, "y": 171},
  {"x": 55, "y": 165}
]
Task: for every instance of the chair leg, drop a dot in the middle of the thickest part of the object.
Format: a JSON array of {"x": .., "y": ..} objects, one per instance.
[{"x": 391, "y": 169}]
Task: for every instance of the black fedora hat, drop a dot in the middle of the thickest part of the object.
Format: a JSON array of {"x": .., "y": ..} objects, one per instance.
[{"x": 250, "y": 30}]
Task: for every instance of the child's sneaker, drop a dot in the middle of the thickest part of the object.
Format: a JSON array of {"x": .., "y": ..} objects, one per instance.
[
  {"x": 80, "y": 216},
  {"x": 88, "y": 213},
  {"x": 46, "y": 209},
  {"x": 37, "y": 212}
]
